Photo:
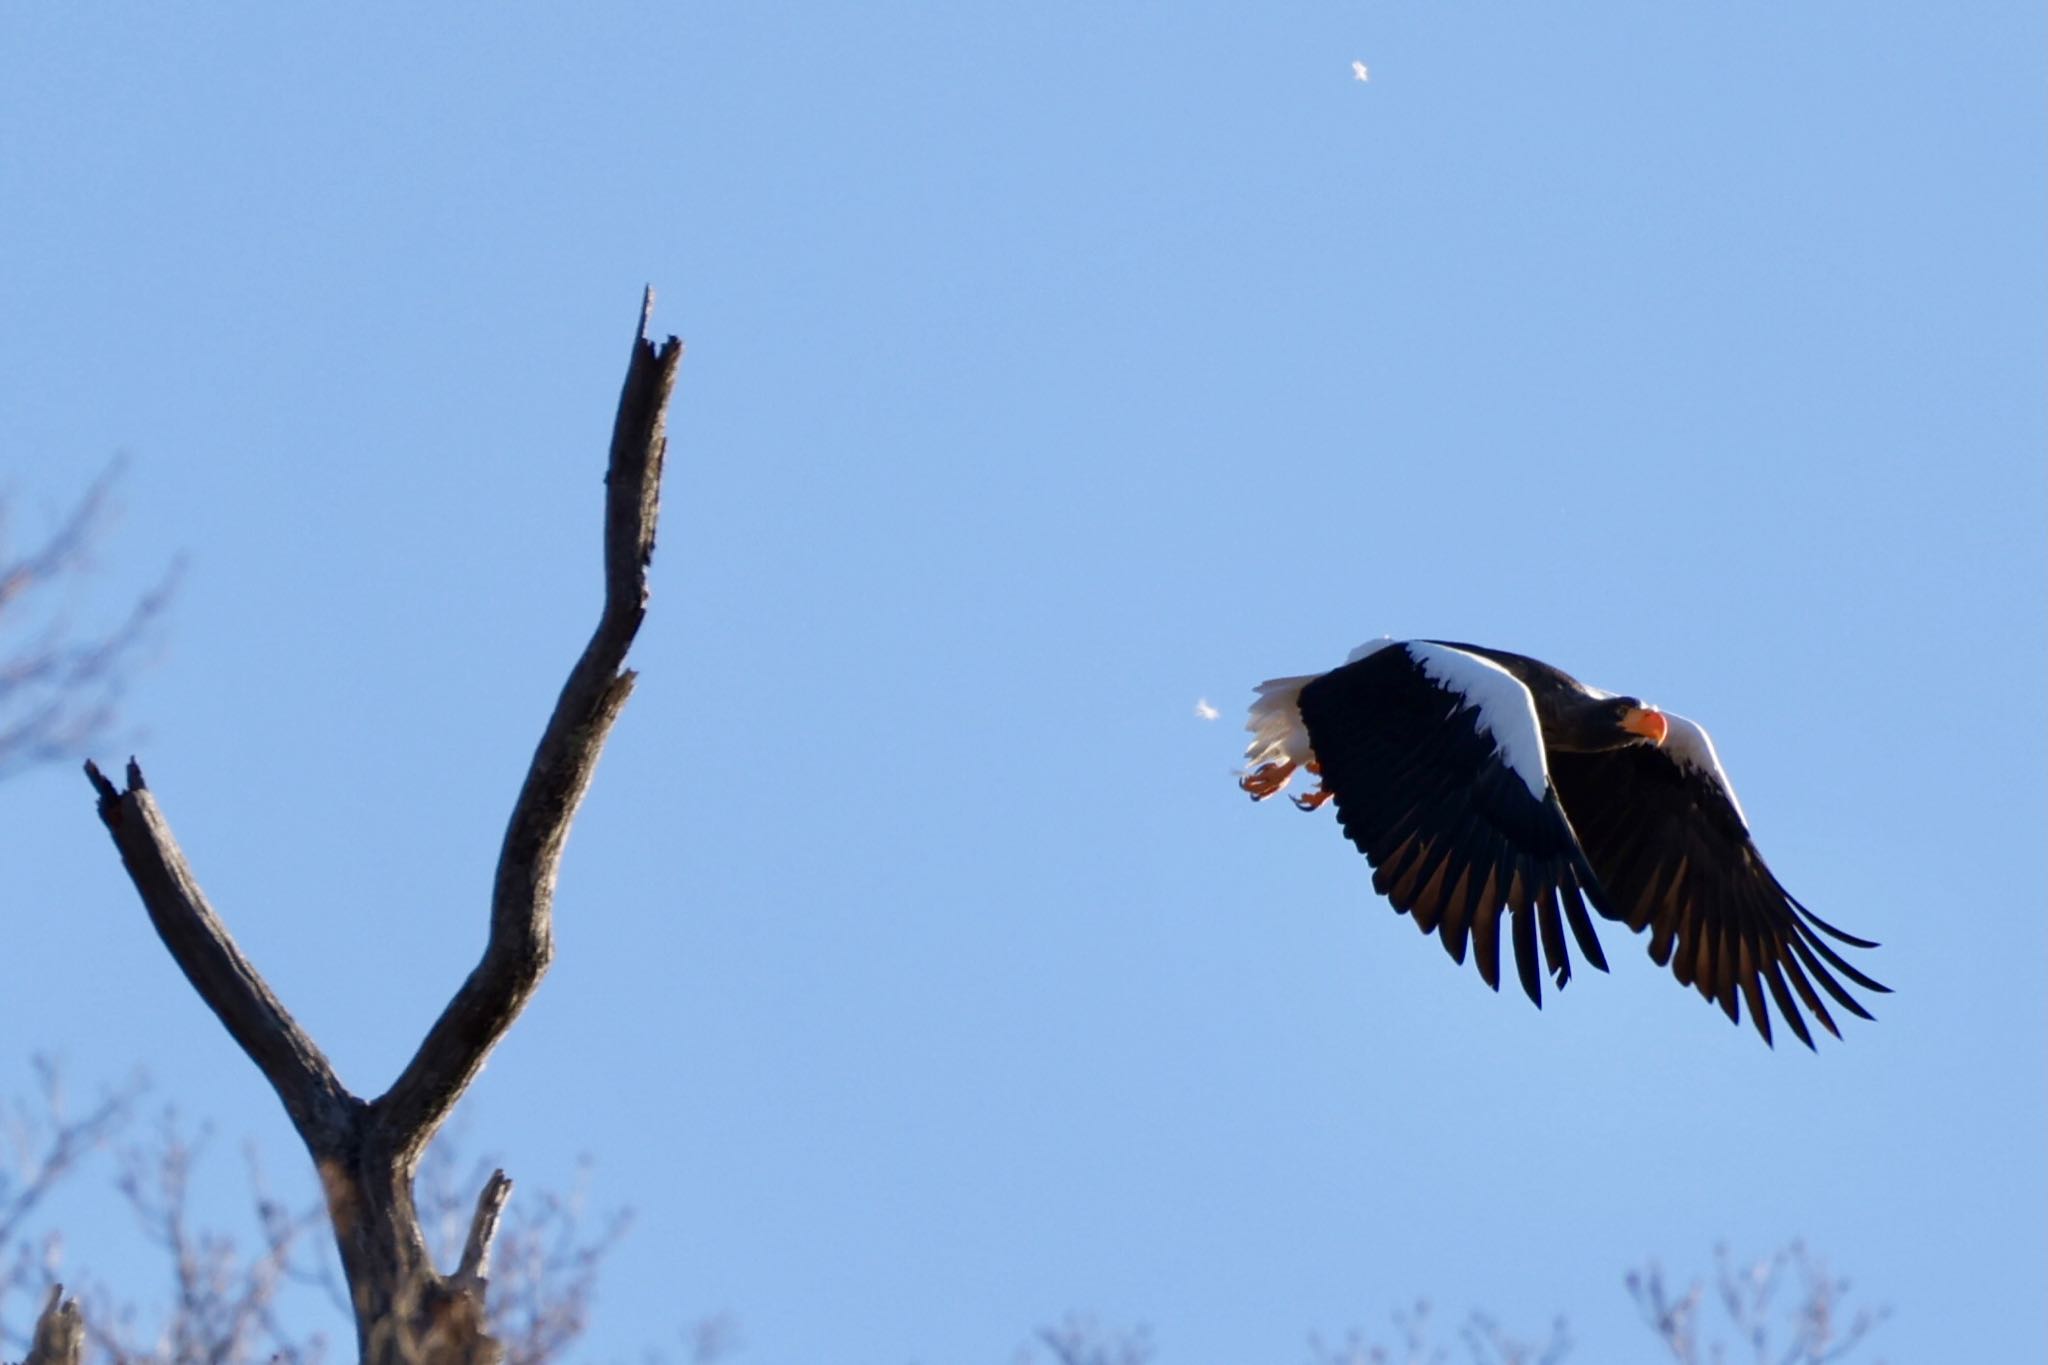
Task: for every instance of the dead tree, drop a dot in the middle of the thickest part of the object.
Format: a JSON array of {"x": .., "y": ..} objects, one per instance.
[{"x": 366, "y": 1151}]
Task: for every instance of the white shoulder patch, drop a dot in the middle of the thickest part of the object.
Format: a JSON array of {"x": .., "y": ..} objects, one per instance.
[
  {"x": 1690, "y": 746},
  {"x": 1370, "y": 647},
  {"x": 1506, "y": 710}
]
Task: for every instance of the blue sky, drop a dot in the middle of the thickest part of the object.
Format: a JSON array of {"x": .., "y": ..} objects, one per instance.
[{"x": 922, "y": 976}]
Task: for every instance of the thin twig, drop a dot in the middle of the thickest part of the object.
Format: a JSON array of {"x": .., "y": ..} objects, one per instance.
[{"x": 60, "y": 689}]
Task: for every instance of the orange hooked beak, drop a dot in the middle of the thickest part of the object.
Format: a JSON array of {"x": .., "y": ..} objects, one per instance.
[{"x": 1648, "y": 722}]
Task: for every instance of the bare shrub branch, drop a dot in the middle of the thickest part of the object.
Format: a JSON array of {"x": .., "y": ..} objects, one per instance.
[
  {"x": 1813, "y": 1328},
  {"x": 41, "y": 1146},
  {"x": 1081, "y": 1340},
  {"x": 44, "y": 1143},
  {"x": 226, "y": 1304},
  {"x": 1417, "y": 1347},
  {"x": 712, "y": 1339},
  {"x": 61, "y": 687},
  {"x": 1488, "y": 1343},
  {"x": 224, "y": 1301},
  {"x": 258, "y": 1290},
  {"x": 1485, "y": 1341}
]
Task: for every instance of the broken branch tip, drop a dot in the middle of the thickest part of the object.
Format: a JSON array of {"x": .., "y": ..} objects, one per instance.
[{"x": 109, "y": 795}]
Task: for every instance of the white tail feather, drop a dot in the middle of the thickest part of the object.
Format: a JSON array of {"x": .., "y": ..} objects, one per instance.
[{"x": 1278, "y": 736}]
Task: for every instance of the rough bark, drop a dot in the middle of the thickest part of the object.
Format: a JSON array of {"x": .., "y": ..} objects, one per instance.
[
  {"x": 60, "y": 1332},
  {"x": 366, "y": 1153}
]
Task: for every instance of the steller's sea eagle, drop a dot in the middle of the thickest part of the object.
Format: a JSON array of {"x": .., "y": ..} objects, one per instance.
[{"x": 1477, "y": 781}]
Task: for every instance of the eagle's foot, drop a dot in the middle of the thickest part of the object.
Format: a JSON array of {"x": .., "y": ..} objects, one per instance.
[
  {"x": 1314, "y": 800},
  {"x": 1266, "y": 779}
]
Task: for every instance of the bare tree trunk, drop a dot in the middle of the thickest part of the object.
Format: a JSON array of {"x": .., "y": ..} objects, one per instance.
[{"x": 366, "y": 1153}]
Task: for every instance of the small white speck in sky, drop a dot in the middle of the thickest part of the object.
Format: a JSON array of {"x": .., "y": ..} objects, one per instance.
[
  {"x": 1360, "y": 70},
  {"x": 1204, "y": 710}
]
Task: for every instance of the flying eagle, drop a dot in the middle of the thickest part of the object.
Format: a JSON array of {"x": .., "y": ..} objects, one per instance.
[{"x": 1479, "y": 782}]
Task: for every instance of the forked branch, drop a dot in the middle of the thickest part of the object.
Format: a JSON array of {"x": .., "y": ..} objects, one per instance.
[{"x": 407, "y": 1313}]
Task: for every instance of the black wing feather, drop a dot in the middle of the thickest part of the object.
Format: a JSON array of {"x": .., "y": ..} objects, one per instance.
[
  {"x": 1454, "y": 835},
  {"x": 1674, "y": 857}
]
